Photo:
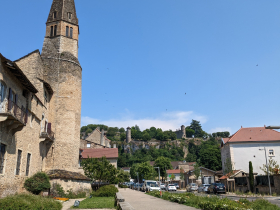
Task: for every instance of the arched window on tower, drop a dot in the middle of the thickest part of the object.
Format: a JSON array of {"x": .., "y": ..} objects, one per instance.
[
  {"x": 55, "y": 29},
  {"x": 67, "y": 31},
  {"x": 71, "y": 32},
  {"x": 51, "y": 34}
]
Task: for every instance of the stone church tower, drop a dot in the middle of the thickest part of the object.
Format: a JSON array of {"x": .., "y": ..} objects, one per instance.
[{"x": 63, "y": 72}]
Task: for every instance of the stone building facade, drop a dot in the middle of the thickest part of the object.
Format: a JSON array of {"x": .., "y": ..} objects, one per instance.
[
  {"x": 181, "y": 134},
  {"x": 40, "y": 106},
  {"x": 96, "y": 139}
]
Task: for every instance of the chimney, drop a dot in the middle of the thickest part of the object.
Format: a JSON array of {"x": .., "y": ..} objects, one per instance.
[
  {"x": 102, "y": 138},
  {"x": 98, "y": 128},
  {"x": 114, "y": 146}
]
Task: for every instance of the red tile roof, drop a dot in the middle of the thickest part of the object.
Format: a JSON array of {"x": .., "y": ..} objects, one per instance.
[
  {"x": 99, "y": 153},
  {"x": 176, "y": 171},
  {"x": 254, "y": 134},
  {"x": 229, "y": 174}
]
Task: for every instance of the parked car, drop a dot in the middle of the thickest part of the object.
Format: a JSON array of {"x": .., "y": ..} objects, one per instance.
[
  {"x": 176, "y": 185},
  {"x": 147, "y": 184},
  {"x": 171, "y": 187},
  {"x": 203, "y": 188},
  {"x": 154, "y": 187},
  {"x": 162, "y": 186},
  {"x": 216, "y": 188},
  {"x": 192, "y": 187}
]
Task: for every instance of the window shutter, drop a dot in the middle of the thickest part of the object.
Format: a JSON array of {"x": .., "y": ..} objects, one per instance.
[
  {"x": 10, "y": 93},
  {"x": 16, "y": 97},
  {"x": 49, "y": 127}
]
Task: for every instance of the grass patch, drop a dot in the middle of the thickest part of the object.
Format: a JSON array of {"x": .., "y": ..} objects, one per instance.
[
  {"x": 215, "y": 203},
  {"x": 97, "y": 203},
  {"x": 29, "y": 201}
]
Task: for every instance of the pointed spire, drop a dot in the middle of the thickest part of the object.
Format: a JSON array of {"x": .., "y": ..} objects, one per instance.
[{"x": 63, "y": 10}]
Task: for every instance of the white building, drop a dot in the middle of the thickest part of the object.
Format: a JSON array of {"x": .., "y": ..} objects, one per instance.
[
  {"x": 176, "y": 173},
  {"x": 247, "y": 144}
]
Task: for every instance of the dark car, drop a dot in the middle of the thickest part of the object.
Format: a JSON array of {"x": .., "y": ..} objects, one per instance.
[
  {"x": 176, "y": 185},
  {"x": 216, "y": 188}
]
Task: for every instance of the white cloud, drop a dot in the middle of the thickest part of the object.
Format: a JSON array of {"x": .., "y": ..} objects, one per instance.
[
  {"x": 220, "y": 129},
  {"x": 166, "y": 121}
]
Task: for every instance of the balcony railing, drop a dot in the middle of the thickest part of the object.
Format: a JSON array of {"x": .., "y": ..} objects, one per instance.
[
  {"x": 17, "y": 112},
  {"x": 48, "y": 134}
]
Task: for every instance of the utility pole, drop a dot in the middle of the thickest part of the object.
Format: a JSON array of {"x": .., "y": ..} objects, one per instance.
[
  {"x": 267, "y": 169},
  {"x": 159, "y": 180},
  {"x": 138, "y": 180}
]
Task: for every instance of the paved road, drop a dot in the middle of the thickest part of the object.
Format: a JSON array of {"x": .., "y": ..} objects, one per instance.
[{"x": 141, "y": 201}]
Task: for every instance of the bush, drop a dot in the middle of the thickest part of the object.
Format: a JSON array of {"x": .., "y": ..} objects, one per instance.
[
  {"x": 105, "y": 191},
  {"x": 37, "y": 183},
  {"x": 27, "y": 202}
]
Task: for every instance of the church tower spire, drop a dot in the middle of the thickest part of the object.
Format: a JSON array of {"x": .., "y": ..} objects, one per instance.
[
  {"x": 62, "y": 28},
  {"x": 63, "y": 72}
]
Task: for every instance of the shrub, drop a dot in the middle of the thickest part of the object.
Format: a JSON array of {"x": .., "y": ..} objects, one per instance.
[
  {"x": 27, "y": 202},
  {"x": 37, "y": 183},
  {"x": 105, "y": 191}
]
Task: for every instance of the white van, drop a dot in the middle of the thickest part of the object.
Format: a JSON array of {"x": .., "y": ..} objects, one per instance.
[{"x": 147, "y": 184}]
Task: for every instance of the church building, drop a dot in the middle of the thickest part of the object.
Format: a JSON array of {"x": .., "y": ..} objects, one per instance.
[{"x": 40, "y": 105}]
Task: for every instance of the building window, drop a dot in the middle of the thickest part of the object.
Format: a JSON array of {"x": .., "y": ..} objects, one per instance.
[
  {"x": 51, "y": 34},
  {"x": 67, "y": 31},
  {"x": 2, "y": 157},
  {"x": 18, "y": 162},
  {"x": 2, "y": 91},
  {"x": 55, "y": 30},
  {"x": 46, "y": 97},
  {"x": 88, "y": 145},
  {"x": 71, "y": 32},
  {"x": 271, "y": 152},
  {"x": 28, "y": 164},
  {"x": 69, "y": 15},
  {"x": 54, "y": 15}
]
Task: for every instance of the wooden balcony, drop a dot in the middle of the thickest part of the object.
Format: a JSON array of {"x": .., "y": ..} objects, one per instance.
[{"x": 14, "y": 117}]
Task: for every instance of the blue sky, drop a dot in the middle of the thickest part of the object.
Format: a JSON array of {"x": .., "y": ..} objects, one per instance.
[{"x": 163, "y": 63}]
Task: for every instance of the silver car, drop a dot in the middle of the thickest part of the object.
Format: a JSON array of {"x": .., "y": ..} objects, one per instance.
[
  {"x": 203, "y": 188},
  {"x": 192, "y": 187},
  {"x": 171, "y": 187}
]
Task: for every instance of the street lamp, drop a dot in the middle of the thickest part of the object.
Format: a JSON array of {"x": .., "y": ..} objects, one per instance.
[{"x": 267, "y": 169}]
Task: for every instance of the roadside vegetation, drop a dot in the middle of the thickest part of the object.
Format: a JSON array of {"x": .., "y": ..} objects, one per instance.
[
  {"x": 97, "y": 203},
  {"x": 103, "y": 198},
  {"x": 215, "y": 203},
  {"x": 29, "y": 201}
]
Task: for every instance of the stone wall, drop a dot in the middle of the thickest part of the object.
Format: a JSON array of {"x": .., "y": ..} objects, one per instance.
[{"x": 74, "y": 185}]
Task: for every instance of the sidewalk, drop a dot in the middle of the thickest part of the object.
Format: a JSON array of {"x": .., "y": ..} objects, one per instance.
[{"x": 141, "y": 201}]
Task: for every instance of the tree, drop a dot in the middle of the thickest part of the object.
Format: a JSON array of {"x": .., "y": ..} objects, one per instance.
[
  {"x": 122, "y": 136},
  {"x": 182, "y": 176},
  {"x": 228, "y": 166},
  {"x": 189, "y": 132},
  {"x": 196, "y": 171},
  {"x": 195, "y": 125},
  {"x": 146, "y": 171},
  {"x": 99, "y": 170},
  {"x": 123, "y": 176},
  {"x": 172, "y": 177},
  {"x": 153, "y": 132},
  {"x": 37, "y": 183},
  {"x": 146, "y": 136},
  {"x": 122, "y": 130},
  {"x": 273, "y": 167},
  {"x": 163, "y": 163},
  {"x": 251, "y": 176},
  {"x": 134, "y": 170}
]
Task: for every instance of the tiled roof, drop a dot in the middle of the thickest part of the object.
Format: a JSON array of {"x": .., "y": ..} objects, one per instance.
[
  {"x": 229, "y": 174},
  {"x": 100, "y": 152},
  {"x": 254, "y": 134},
  {"x": 62, "y": 174},
  {"x": 176, "y": 171},
  {"x": 125, "y": 168}
]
